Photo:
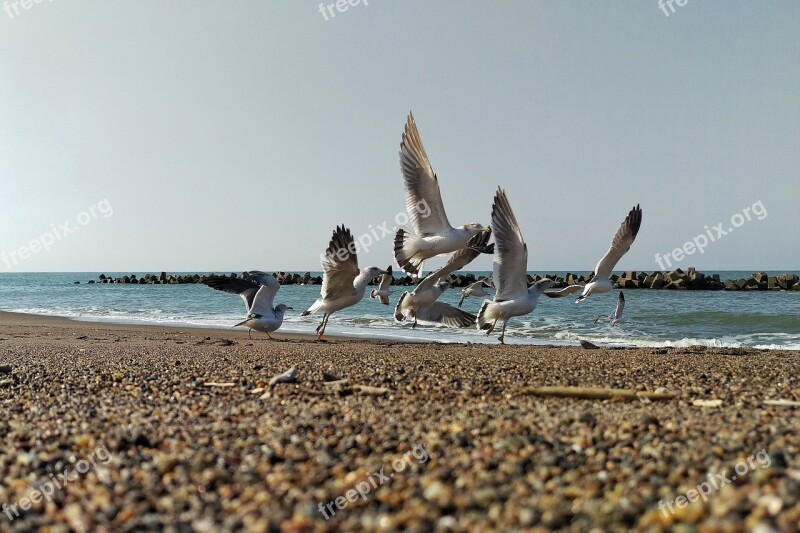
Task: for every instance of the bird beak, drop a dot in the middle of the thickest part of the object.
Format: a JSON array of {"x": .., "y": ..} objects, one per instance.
[
  {"x": 292, "y": 308},
  {"x": 487, "y": 230}
]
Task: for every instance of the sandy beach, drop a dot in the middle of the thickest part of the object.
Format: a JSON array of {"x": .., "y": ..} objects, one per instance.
[{"x": 117, "y": 428}]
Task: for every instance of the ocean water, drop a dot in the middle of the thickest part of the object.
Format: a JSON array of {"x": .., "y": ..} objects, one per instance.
[{"x": 769, "y": 320}]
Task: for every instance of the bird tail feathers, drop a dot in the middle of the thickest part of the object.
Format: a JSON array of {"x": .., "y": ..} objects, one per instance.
[{"x": 404, "y": 252}]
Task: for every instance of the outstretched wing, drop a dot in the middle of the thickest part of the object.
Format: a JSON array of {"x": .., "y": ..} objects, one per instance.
[
  {"x": 263, "y": 303},
  {"x": 620, "y": 244},
  {"x": 620, "y": 306},
  {"x": 340, "y": 265},
  {"x": 566, "y": 291},
  {"x": 457, "y": 260},
  {"x": 386, "y": 280},
  {"x": 445, "y": 314},
  {"x": 423, "y": 198},
  {"x": 510, "y": 270},
  {"x": 245, "y": 288}
]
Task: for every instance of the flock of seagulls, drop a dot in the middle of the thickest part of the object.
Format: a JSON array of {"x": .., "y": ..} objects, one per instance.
[{"x": 344, "y": 284}]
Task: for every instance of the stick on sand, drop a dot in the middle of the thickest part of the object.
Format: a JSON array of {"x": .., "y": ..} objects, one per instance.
[{"x": 592, "y": 393}]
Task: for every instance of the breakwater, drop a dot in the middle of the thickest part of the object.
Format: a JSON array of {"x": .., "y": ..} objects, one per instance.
[{"x": 672, "y": 280}]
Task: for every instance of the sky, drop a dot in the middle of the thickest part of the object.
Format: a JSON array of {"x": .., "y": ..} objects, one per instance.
[{"x": 209, "y": 136}]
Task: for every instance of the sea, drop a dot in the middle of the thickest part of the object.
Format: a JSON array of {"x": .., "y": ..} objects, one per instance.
[{"x": 653, "y": 318}]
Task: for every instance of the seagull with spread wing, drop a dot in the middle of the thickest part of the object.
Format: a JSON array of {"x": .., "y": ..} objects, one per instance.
[
  {"x": 258, "y": 290},
  {"x": 433, "y": 235},
  {"x": 343, "y": 284},
  {"x": 382, "y": 292},
  {"x": 477, "y": 288},
  {"x": 616, "y": 318},
  {"x": 510, "y": 272},
  {"x": 621, "y": 243},
  {"x": 421, "y": 305}
]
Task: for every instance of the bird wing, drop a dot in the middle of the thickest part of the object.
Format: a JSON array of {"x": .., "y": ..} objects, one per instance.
[
  {"x": 445, "y": 314},
  {"x": 386, "y": 280},
  {"x": 510, "y": 269},
  {"x": 620, "y": 244},
  {"x": 566, "y": 291},
  {"x": 245, "y": 288},
  {"x": 458, "y": 260},
  {"x": 620, "y": 306},
  {"x": 264, "y": 298},
  {"x": 340, "y": 265},
  {"x": 421, "y": 184}
]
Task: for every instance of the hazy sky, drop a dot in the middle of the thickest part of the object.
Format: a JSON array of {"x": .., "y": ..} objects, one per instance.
[{"x": 236, "y": 135}]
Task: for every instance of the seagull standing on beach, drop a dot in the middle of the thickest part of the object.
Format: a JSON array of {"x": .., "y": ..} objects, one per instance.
[
  {"x": 258, "y": 291},
  {"x": 621, "y": 243},
  {"x": 510, "y": 272},
  {"x": 616, "y": 318},
  {"x": 433, "y": 235},
  {"x": 343, "y": 284},
  {"x": 421, "y": 304},
  {"x": 382, "y": 292},
  {"x": 475, "y": 289}
]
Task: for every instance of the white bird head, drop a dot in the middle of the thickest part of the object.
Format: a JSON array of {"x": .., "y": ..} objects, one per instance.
[
  {"x": 473, "y": 228},
  {"x": 281, "y": 309},
  {"x": 373, "y": 272}
]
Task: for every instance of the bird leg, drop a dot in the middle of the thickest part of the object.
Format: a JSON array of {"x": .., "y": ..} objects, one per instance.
[
  {"x": 490, "y": 329},
  {"x": 268, "y": 335},
  {"x": 503, "y": 332},
  {"x": 321, "y": 328},
  {"x": 249, "y": 336}
]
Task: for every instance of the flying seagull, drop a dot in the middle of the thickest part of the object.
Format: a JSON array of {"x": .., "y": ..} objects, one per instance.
[
  {"x": 257, "y": 289},
  {"x": 616, "y": 318},
  {"x": 510, "y": 272},
  {"x": 475, "y": 289},
  {"x": 621, "y": 243},
  {"x": 433, "y": 235},
  {"x": 421, "y": 305},
  {"x": 343, "y": 284},
  {"x": 382, "y": 292}
]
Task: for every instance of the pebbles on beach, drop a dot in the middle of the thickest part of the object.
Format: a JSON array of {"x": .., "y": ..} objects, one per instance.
[{"x": 185, "y": 455}]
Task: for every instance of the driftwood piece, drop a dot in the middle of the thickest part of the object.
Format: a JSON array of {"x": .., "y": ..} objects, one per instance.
[{"x": 593, "y": 393}]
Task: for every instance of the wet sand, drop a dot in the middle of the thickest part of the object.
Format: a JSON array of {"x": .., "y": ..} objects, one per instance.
[{"x": 178, "y": 429}]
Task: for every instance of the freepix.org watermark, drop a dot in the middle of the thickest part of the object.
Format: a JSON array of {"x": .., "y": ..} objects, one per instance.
[
  {"x": 340, "y": 5},
  {"x": 56, "y": 233},
  {"x": 12, "y": 7},
  {"x": 373, "y": 481},
  {"x": 362, "y": 243},
  {"x": 715, "y": 482},
  {"x": 712, "y": 234},
  {"x": 46, "y": 490},
  {"x": 663, "y": 4}
]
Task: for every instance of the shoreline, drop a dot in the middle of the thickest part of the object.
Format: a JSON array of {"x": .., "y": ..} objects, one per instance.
[{"x": 14, "y": 317}]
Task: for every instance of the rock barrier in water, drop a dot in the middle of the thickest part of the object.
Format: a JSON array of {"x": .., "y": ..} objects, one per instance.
[{"x": 674, "y": 280}]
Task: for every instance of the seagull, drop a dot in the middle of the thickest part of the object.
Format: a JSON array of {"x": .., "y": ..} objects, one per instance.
[
  {"x": 343, "y": 284},
  {"x": 421, "y": 304},
  {"x": 383, "y": 292},
  {"x": 600, "y": 282},
  {"x": 510, "y": 272},
  {"x": 257, "y": 289},
  {"x": 433, "y": 235},
  {"x": 475, "y": 289},
  {"x": 616, "y": 318}
]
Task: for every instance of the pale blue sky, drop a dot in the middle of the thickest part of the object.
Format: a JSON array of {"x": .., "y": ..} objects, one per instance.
[{"x": 236, "y": 135}]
